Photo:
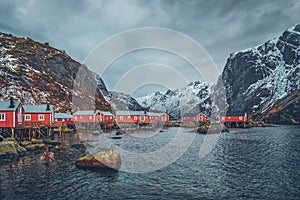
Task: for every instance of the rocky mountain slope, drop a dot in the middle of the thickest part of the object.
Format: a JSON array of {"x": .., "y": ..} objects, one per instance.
[
  {"x": 255, "y": 78},
  {"x": 36, "y": 73},
  {"x": 193, "y": 98},
  {"x": 284, "y": 111}
]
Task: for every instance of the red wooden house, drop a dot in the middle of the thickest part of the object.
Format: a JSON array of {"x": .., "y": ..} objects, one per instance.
[
  {"x": 131, "y": 117},
  {"x": 39, "y": 114},
  {"x": 202, "y": 118},
  {"x": 233, "y": 118},
  {"x": 11, "y": 114},
  {"x": 64, "y": 118},
  {"x": 106, "y": 117},
  {"x": 158, "y": 117},
  {"x": 194, "y": 118},
  {"x": 87, "y": 116}
]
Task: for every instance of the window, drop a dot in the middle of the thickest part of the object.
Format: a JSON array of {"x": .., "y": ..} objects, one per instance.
[
  {"x": 2, "y": 116},
  {"x": 27, "y": 117},
  {"x": 90, "y": 117},
  {"x": 128, "y": 117},
  {"x": 75, "y": 117},
  {"x": 240, "y": 118},
  {"x": 142, "y": 118},
  {"x": 135, "y": 117},
  {"x": 80, "y": 117},
  {"x": 164, "y": 118},
  {"x": 63, "y": 120},
  {"x": 201, "y": 118},
  {"x": 55, "y": 120},
  {"x": 121, "y": 117},
  {"x": 41, "y": 118}
]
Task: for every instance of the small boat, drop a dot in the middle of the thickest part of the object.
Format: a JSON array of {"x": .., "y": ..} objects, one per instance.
[
  {"x": 161, "y": 130},
  {"x": 116, "y": 137},
  {"x": 120, "y": 132}
]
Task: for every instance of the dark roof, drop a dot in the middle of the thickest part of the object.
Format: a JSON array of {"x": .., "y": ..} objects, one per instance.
[
  {"x": 130, "y": 112},
  {"x": 4, "y": 105},
  {"x": 232, "y": 114},
  {"x": 190, "y": 114},
  {"x": 86, "y": 112},
  {"x": 62, "y": 116},
  {"x": 37, "y": 108}
]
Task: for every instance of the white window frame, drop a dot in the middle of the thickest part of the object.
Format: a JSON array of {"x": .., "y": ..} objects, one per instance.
[
  {"x": 128, "y": 117},
  {"x": 75, "y": 117},
  {"x": 135, "y": 117},
  {"x": 28, "y": 115},
  {"x": 2, "y": 116},
  {"x": 90, "y": 117},
  {"x": 41, "y": 117},
  {"x": 121, "y": 117}
]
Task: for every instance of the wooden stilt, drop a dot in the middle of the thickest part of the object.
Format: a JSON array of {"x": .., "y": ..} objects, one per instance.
[{"x": 12, "y": 133}]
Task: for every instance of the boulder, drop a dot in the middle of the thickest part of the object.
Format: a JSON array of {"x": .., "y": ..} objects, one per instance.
[
  {"x": 9, "y": 149},
  {"x": 103, "y": 159},
  {"x": 52, "y": 142},
  {"x": 36, "y": 141},
  {"x": 33, "y": 147}
]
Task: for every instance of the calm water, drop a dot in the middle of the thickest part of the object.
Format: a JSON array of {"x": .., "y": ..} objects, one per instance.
[{"x": 258, "y": 163}]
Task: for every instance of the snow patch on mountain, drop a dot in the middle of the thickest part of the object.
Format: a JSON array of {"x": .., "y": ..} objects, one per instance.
[
  {"x": 193, "y": 98},
  {"x": 255, "y": 78}
]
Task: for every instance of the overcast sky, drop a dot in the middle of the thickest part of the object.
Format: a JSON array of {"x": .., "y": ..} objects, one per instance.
[{"x": 219, "y": 26}]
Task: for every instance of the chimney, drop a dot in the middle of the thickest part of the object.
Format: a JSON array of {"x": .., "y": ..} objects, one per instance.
[
  {"x": 11, "y": 102},
  {"x": 48, "y": 107}
]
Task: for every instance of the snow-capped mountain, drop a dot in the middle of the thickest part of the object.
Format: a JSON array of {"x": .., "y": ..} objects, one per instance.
[
  {"x": 255, "y": 78},
  {"x": 37, "y": 73},
  {"x": 193, "y": 98}
]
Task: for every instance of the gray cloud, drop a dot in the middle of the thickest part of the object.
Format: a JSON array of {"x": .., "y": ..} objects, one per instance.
[{"x": 220, "y": 26}]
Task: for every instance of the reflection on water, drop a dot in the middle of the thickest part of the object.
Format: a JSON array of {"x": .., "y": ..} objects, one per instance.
[{"x": 258, "y": 163}]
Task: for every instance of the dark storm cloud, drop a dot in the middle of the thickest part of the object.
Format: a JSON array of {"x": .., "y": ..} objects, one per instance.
[{"x": 220, "y": 26}]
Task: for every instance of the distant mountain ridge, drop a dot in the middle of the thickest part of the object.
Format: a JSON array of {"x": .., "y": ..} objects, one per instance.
[
  {"x": 37, "y": 73},
  {"x": 193, "y": 98}
]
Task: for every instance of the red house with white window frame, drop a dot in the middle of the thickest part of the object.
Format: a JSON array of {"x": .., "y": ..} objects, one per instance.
[
  {"x": 194, "y": 118},
  {"x": 158, "y": 117},
  {"x": 131, "y": 117},
  {"x": 87, "y": 116},
  {"x": 63, "y": 118},
  {"x": 11, "y": 114},
  {"x": 202, "y": 118},
  {"x": 233, "y": 118},
  {"x": 39, "y": 114},
  {"x": 106, "y": 117}
]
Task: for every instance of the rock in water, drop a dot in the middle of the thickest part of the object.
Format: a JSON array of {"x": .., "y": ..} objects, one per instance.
[
  {"x": 105, "y": 159},
  {"x": 9, "y": 149}
]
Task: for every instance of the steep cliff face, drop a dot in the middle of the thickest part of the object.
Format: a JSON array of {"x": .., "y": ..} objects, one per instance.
[
  {"x": 37, "y": 73},
  {"x": 255, "y": 78},
  {"x": 195, "y": 97},
  {"x": 284, "y": 111}
]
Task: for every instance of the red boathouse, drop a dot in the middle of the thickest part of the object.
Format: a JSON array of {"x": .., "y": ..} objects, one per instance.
[
  {"x": 87, "y": 116},
  {"x": 11, "y": 114},
  {"x": 158, "y": 117},
  {"x": 233, "y": 118},
  {"x": 63, "y": 118},
  {"x": 131, "y": 117},
  {"x": 43, "y": 115}
]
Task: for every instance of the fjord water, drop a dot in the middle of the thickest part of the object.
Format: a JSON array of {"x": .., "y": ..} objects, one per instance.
[{"x": 256, "y": 163}]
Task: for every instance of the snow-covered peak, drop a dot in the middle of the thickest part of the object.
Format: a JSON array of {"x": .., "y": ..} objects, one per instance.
[{"x": 195, "y": 97}]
